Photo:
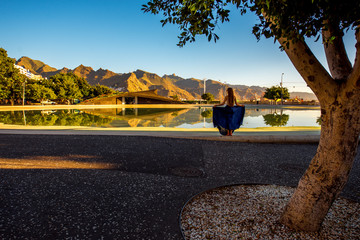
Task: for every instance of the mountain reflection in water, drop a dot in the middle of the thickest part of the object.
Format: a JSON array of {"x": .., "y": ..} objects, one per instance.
[{"x": 196, "y": 117}]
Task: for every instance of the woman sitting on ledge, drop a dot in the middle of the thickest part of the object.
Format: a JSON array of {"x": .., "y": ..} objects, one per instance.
[{"x": 226, "y": 116}]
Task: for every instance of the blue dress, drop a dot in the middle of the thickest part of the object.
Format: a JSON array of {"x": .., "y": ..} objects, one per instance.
[{"x": 228, "y": 118}]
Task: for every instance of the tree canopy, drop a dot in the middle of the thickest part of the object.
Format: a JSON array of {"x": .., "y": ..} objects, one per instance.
[
  {"x": 275, "y": 93},
  {"x": 288, "y": 19},
  {"x": 38, "y": 92},
  {"x": 11, "y": 81},
  {"x": 208, "y": 97}
]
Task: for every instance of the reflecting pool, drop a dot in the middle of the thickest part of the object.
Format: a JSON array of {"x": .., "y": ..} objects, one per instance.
[{"x": 195, "y": 117}]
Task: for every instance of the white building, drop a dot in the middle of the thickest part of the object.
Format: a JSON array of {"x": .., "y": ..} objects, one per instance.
[{"x": 27, "y": 73}]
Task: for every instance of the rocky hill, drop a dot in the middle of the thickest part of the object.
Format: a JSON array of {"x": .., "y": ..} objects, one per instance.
[
  {"x": 167, "y": 85},
  {"x": 303, "y": 95},
  {"x": 35, "y": 66}
]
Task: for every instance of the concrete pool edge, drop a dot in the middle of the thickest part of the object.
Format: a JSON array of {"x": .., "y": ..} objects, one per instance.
[{"x": 259, "y": 135}]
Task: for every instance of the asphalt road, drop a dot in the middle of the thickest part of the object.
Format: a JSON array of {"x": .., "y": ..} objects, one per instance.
[{"x": 142, "y": 191}]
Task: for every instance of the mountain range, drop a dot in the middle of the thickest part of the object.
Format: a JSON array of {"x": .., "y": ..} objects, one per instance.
[{"x": 139, "y": 80}]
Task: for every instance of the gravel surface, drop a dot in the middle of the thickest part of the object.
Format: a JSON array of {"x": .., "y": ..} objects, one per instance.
[{"x": 252, "y": 212}]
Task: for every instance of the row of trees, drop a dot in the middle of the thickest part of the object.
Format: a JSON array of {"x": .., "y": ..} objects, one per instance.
[
  {"x": 275, "y": 93},
  {"x": 64, "y": 88}
]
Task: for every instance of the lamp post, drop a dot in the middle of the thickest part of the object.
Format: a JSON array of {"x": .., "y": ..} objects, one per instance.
[
  {"x": 204, "y": 85},
  {"x": 281, "y": 85},
  {"x": 24, "y": 93}
]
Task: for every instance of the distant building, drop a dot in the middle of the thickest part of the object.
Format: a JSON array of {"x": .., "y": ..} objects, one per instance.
[
  {"x": 143, "y": 97},
  {"x": 23, "y": 70},
  {"x": 27, "y": 73}
]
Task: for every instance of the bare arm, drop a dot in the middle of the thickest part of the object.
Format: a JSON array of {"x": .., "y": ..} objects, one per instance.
[
  {"x": 216, "y": 105},
  {"x": 237, "y": 104}
]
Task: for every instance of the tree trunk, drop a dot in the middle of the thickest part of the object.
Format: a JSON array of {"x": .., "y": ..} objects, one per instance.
[
  {"x": 339, "y": 97},
  {"x": 329, "y": 169}
]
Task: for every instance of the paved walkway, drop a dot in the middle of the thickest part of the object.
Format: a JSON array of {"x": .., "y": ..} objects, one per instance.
[
  {"x": 248, "y": 135},
  {"x": 131, "y": 187}
]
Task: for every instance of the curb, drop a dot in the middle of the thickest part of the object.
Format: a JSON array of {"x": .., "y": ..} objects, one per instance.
[
  {"x": 248, "y": 138},
  {"x": 260, "y": 139}
]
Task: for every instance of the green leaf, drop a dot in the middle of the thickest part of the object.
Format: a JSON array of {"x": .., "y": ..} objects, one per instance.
[{"x": 268, "y": 4}]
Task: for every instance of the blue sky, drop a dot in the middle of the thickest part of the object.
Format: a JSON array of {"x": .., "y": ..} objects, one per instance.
[{"x": 117, "y": 35}]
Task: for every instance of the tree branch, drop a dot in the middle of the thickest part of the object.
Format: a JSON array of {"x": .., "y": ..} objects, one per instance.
[
  {"x": 309, "y": 67},
  {"x": 354, "y": 77},
  {"x": 338, "y": 61},
  {"x": 314, "y": 74}
]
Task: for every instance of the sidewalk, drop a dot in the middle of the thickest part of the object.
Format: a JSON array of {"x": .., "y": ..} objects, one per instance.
[{"x": 260, "y": 135}]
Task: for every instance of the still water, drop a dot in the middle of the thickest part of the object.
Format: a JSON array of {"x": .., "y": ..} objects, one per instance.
[{"x": 196, "y": 117}]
